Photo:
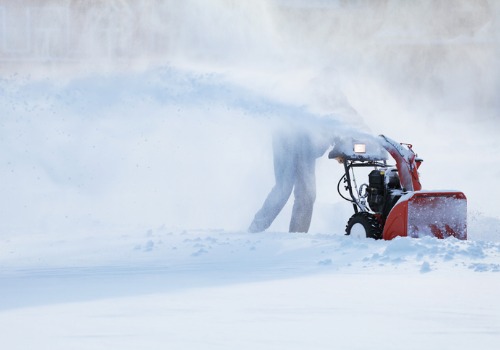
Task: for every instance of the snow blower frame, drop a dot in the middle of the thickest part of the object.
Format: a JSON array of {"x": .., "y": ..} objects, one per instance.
[{"x": 392, "y": 203}]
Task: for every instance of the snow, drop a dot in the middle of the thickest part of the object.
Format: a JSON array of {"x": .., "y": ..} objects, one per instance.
[
  {"x": 218, "y": 289},
  {"x": 130, "y": 173}
]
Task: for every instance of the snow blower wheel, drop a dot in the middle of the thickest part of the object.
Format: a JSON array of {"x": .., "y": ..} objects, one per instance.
[{"x": 363, "y": 225}]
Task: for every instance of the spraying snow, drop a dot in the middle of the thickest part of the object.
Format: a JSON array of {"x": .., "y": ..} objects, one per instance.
[{"x": 373, "y": 66}]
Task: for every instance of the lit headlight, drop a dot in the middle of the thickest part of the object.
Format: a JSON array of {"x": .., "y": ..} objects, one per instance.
[{"x": 359, "y": 148}]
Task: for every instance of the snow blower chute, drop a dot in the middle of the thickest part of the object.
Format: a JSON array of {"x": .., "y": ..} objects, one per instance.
[{"x": 393, "y": 203}]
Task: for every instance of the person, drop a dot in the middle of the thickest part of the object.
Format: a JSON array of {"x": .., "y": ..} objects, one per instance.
[{"x": 295, "y": 151}]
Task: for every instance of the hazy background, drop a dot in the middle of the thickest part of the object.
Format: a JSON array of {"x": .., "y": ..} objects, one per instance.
[{"x": 147, "y": 113}]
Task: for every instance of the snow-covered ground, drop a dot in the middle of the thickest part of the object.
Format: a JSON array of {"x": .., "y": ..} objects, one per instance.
[
  {"x": 128, "y": 180},
  {"x": 216, "y": 289}
]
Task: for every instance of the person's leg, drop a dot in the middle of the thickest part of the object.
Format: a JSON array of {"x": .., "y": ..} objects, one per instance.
[
  {"x": 284, "y": 180},
  {"x": 305, "y": 189}
]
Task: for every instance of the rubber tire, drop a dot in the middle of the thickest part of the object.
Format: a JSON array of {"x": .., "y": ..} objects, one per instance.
[{"x": 368, "y": 221}]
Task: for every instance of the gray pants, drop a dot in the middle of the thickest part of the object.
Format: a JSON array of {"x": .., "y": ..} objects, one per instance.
[{"x": 294, "y": 168}]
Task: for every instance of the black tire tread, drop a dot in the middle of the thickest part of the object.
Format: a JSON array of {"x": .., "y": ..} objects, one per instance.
[{"x": 369, "y": 222}]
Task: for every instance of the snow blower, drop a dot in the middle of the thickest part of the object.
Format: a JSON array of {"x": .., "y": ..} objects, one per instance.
[{"x": 393, "y": 203}]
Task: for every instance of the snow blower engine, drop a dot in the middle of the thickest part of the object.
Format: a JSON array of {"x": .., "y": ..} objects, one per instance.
[{"x": 393, "y": 203}]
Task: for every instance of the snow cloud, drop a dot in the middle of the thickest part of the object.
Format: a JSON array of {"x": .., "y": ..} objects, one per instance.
[{"x": 159, "y": 112}]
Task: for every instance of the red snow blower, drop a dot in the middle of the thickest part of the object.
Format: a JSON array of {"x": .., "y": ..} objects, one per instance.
[{"x": 393, "y": 203}]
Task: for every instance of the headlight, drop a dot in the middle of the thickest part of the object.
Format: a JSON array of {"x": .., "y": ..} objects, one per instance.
[{"x": 359, "y": 148}]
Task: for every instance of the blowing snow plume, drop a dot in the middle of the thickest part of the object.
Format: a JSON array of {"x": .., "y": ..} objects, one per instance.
[
  {"x": 302, "y": 51},
  {"x": 163, "y": 147},
  {"x": 159, "y": 112}
]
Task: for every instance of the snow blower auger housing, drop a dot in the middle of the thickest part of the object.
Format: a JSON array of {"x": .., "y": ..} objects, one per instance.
[{"x": 393, "y": 203}]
